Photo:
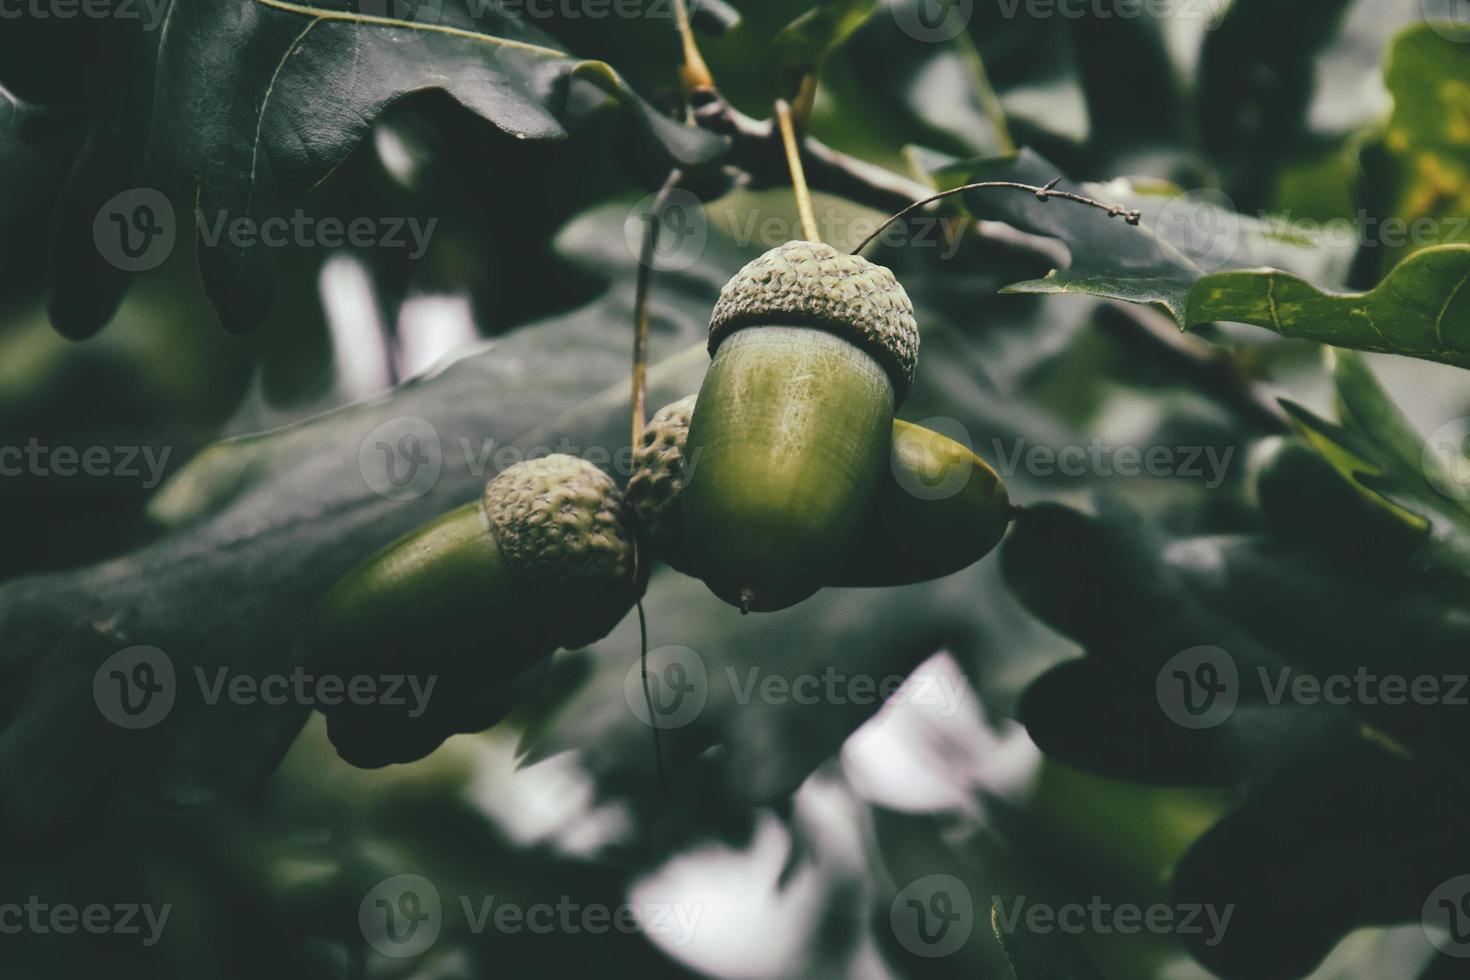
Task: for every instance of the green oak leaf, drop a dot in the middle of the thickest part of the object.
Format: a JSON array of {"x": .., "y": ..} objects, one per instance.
[
  {"x": 1422, "y": 309},
  {"x": 261, "y": 99},
  {"x": 804, "y": 45},
  {"x": 1181, "y": 238},
  {"x": 1376, "y": 451}
]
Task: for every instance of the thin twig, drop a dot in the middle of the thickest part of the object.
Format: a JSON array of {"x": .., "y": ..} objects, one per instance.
[
  {"x": 658, "y": 751},
  {"x": 694, "y": 74},
  {"x": 653, "y": 222},
  {"x": 804, "y": 208},
  {"x": 1042, "y": 193}
]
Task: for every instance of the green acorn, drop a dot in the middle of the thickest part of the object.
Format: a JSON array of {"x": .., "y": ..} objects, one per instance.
[
  {"x": 938, "y": 508},
  {"x": 812, "y": 350},
  {"x": 657, "y": 484},
  {"x": 545, "y": 559}
]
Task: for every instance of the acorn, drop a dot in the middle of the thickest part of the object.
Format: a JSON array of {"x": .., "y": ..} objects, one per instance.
[
  {"x": 657, "y": 483},
  {"x": 939, "y": 507},
  {"x": 545, "y": 559},
  {"x": 812, "y": 351}
]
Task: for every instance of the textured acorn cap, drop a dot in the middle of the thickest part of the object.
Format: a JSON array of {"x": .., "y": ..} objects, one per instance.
[
  {"x": 559, "y": 519},
  {"x": 813, "y": 283},
  {"x": 658, "y": 478}
]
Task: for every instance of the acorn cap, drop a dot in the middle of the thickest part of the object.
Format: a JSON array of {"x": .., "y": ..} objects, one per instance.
[
  {"x": 812, "y": 283},
  {"x": 658, "y": 478},
  {"x": 559, "y": 519}
]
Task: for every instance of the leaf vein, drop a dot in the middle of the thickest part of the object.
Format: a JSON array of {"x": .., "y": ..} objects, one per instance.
[{"x": 1444, "y": 310}]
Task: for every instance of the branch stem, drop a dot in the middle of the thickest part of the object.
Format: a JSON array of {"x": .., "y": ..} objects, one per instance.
[
  {"x": 653, "y": 222},
  {"x": 694, "y": 74},
  {"x": 1042, "y": 193},
  {"x": 789, "y": 139}
]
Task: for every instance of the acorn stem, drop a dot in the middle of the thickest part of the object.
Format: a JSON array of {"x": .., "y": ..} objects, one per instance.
[
  {"x": 747, "y": 599},
  {"x": 652, "y": 225},
  {"x": 804, "y": 208}
]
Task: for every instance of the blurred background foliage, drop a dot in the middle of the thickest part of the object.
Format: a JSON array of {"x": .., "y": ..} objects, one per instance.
[{"x": 792, "y": 827}]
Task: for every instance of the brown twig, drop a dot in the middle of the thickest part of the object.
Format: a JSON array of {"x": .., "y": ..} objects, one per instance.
[{"x": 1042, "y": 193}]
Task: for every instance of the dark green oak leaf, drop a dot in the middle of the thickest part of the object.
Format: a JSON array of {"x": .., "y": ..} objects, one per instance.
[{"x": 258, "y": 100}]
